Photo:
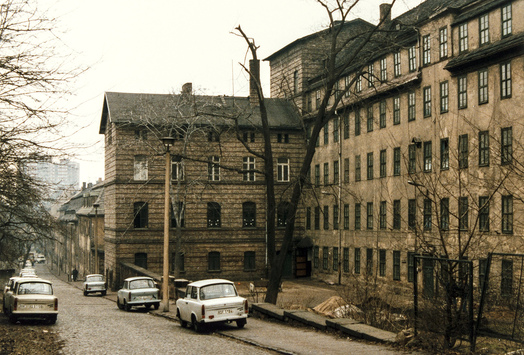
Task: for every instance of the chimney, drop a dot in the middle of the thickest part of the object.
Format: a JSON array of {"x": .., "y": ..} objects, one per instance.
[
  {"x": 254, "y": 68},
  {"x": 385, "y": 13},
  {"x": 84, "y": 185},
  {"x": 187, "y": 89}
]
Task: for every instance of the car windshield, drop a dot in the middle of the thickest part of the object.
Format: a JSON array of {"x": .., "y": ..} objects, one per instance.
[
  {"x": 94, "y": 279},
  {"x": 141, "y": 284},
  {"x": 217, "y": 291},
  {"x": 35, "y": 288}
]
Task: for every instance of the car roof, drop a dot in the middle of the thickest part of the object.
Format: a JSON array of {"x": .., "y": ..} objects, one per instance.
[
  {"x": 138, "y": 278},
  {"x": 94, "y": 275},
  {"x": 201, "y": 283},
  {"x": 33, "y": 279}
]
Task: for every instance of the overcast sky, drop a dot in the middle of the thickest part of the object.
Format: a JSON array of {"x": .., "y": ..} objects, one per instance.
[{"x": 156, "y": 46}]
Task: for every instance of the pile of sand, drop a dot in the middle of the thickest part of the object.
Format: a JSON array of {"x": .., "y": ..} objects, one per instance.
[{"x": 336, "y": 307}]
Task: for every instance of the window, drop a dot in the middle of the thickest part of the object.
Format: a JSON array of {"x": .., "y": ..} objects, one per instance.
[
  {"x": 141, "y": 260},
  {"x": 382, "y": 114},
  {"x": 483, "y": 86},
  {"x": 426, "y": 50},
  {"x": 282, "y": 214},
  {"x": 295, "y": 82},
  {"x": 484, "y": 29},
  {"x": 249, "y": 214},
  {"x": 383, "y": 70},
  {"x": 248, "y": 165},
  {"x": 346, "y": 125},
  {"x": 346, "y": 216},
  {"x": 412, "y": 58},
  {"x": 347, "y": 82},
  {"x": 396, "y": 265},
  {"x": 396, "y": 64},
  {"x": 507, "y": 214},
  {"x": 357, "y": 260},
  {"x": 325, "y": 257},
  {"x": 335, "y": 172},
  {"x": 326, "y": 217},
  {"x": 346, "y": 170},
  {"x": 463, "y": 213},
  {"x": 383, "y": 162},
  {"x": 317, "y": 99},
  {"x": 412, "y": 158},
  {"x": 444, "y": 213},
  {"x": 428, "y": 156},
  {"x": 213, "y": 261},
  {"x": 427, "y": 214},
  {"x": 345, "y": 252},
  {"x": 443, "y": 42},
  {"x": 326, "y": 133},
  {"x": 213, "y": 136},
  {"x": 371, "y": 75},
  {"x": 396, "y": 110},
  {"x": 213, "y": 215},
  {"x": 370, "y": 166},
  {"x": 506, "y": 20},
  {"x": 308, "y": 218},
  {"x": 463, "y": 37},
  {"x": 326, "y": 174},
  {"x": 382, "y": 262},
  {"x": 463, "y": 151},
  {"x": 316, "y": 257},
  {"x": 177, "y": 264},
  {"x": 396, "y": 161},
  {"x": 335, "y": 258},
  {"x": 412, "y": 210},
  {"x": 282, "y": 137},
  {"x": 506, "y": 146},
  {"x": 335, "y": 217},
  {"x": 177, "y": 168},
  {"x": 283, "y": 169},
  {"x": 358, "y": 86},
  {"x": 505, "y": 80},
  {"x": 506, "y": 278},
  {"x": 357, "y": 168},
  {"x": 370, "y": 118},
  {"x": 369, "y": 216},
  {"x": 213, "y": 168},
  {"x": 411, "y": 106},
  {"x": 140, "y": 215},
  {"x": 444, "y": 97},
  {"x": 427, "y": 101},
  {"x": 462, "y": 92},
  {"x": 444, "y": 154},
  {"x": 396, "y": 214},
  {"x": 369, "y": 261},
  {"x": 484, "y": 148},
  {"x": 382, "y": 221},
  {"x": 317, "y": 174},
  {"x": 484, "y": 213},
  {"x": 336, "y": 89},
  {"x": 140, "y": 167},
  {"x": 141, "y": 134},
  {"x": 357, "y": 216},
  {"x": 249, "y": 261},
  {"x": 357, "y": 122},
  {"x": 248, "y": 137},
  {"x": 179, "y": 212},
  {"x": 483, "y": 263},
  {"x": 317, "y": 218},
  {"x": 411, "y": 266},
  {"x": 335, "y": 129}
]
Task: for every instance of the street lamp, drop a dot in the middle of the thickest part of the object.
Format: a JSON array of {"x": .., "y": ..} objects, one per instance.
[
  {"x": 71, "y": 252},
  {"x": 168, "y": 142},
  {"x": 96, "y": 205}
]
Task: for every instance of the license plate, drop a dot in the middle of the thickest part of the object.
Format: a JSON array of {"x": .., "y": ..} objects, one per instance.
[
  {"x": 225, "y": 311},
  {"x": 34, "y": 306}
]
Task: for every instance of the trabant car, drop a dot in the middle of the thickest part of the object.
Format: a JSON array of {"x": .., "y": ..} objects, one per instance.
[
  {"x": 8, "y": 290},
  {"x": 32, "y": 298},
  {"x": 211, "y": 301},
  {"x": 138, "y": 291},
  {"x": 94, "y": 283}
]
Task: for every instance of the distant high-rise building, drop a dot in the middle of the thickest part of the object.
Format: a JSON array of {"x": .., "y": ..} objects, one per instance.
[{"x": 61, "y": 175}]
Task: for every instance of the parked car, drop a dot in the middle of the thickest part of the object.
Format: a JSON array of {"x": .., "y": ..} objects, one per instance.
[
  {"x": 8, "y": 289},
  {"x": 27, "y": 272},
  {"x": 95, "y": 283},
  {"x": 40, "y": 258},
  {"x": 32, "y": 298},
  {"x": 138, "y": 291},
  {"x": 211, "y": 301}
]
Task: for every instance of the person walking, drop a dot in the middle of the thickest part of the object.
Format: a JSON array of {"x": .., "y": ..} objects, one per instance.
[{"x": 75, "y": 274}]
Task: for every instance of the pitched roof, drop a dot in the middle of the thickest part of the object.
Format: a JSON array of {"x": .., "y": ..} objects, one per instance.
[{"x": 160, "y": 109}]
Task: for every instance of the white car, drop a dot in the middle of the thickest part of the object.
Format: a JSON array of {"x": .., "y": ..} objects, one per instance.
[
  {"x": 32, "y": 298},
  {"x": 40, "y": 258},
  {"x": 95, "y": 283},
  {"x": 138, "y": 291},
  {"x": 8, "y": 290},
  {"x": 211, "y": 301}
]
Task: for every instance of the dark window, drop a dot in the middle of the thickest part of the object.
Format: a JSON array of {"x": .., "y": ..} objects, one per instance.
[
  {"x": 505, "y": 80},
  {"x": 213, "y": 136},
  {"x": 249, "y": 261},
  {"x": 507, "y": 214},
  {"x": 370, "y": 166},
  {"x": 370, "y": 118},
  {"x": 346, "y": 259},
  {"x": 295, "y": 82},
  {"x": 463, "y": 151},
  {"x": 444, "y": 97},
  {"x": 357, "y": 122},
  {"x": 444, "y": 213},
  {"x": 484, "y": 213},
  {"x": 335, "y": 129},
  {"x": 326, "y": 217},
  {"x": 483, "y": 263},
  {"x": 177, "y": 168},
  {"x": 140, "y": 213},
  {"x": 346, "y": 125},
  {"x": 346, "y": 216},
  {"x": 248, "y": 137},
  {"x": 317, "y": 175},
  {"x": 326, "y": 133},
  {"x": 317, "y": 218},
  {"x": 283, "y": 138},
  {"x": 396, "y": 265},
  {"x": 180, "y": 212},
  {"x": 382, "y": 262},
  {"x": 506, "y": 145},
  {"x": 382, "y": 114},
  {"x": 357, "y": 168},
  {"x": 484, "y": 148},
  {"x": 346, "y": 170},
  {"x": 427, "y": 214},
  {"x": 282, "y": 214},
  {"x": 428, "y": 157},
  {"x": 335, "y": 172},
  {"x": 369, "y": 261},
  {"x": 308, "y": 218},
  {"x": 382, "y": 222},
  {"x": 357, "y": 261},
  {"x": 483, "y": 86},
  {"x": 506, "y": 278},
  {"x": 213, "y": 261},
  {"x": 249, "y": 213},
  {"x": 325, "y": 258},
  {"x": 412, "y": 214},
  {"x": 369, "y": 215},
  {"x": 326, "y": 174},
  {"x": 396, "y": 161},
  {"x": 357, "y": 216},
  {"x": 412, "y": 158},
  {"x": 463, "y": 213},
  {"x": 411, "y": 266},
  {"x": 335, "y": 217},
  {"x": 316, "y": 257},
  {"x": 427, "y": 101},
  {"x": 213, "y": 215},
  {"x": 335, "y": 258},
  {"x": 141, "y": 260},
  {"x": 444, "y": 154},
  {"x": 396, "y": 214},
  {"x": 383, "y": 162}
]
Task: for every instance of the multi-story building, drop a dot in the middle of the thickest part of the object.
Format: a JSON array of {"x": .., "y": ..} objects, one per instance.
[
  {"x": 424, "y": 154},
  {"x": 217, "y": 181}
]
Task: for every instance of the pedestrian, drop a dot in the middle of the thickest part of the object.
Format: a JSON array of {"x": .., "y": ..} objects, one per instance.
[{"x": 75, "y": 274}]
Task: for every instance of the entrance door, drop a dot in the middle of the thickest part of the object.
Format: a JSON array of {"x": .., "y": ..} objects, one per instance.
[{"x": 302, "y": 264}]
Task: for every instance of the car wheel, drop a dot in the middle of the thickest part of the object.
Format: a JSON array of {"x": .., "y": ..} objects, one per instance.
[
  {"x": 104, "y": 293},
  {"x": 241, "y": 323},
  {"x": 12, "y": 318},
  {"x": 118, "y": 304},
  {"x": 183, "y": 323},
  {"x": 197, "y": 327},
  {"x": 148, "y": 306},
  {"x": 51, "y": 319},
  {"x": 157, "y": 305},
  {"x": 85, "y": 293},
  {"x": 127, "y": 307}
]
